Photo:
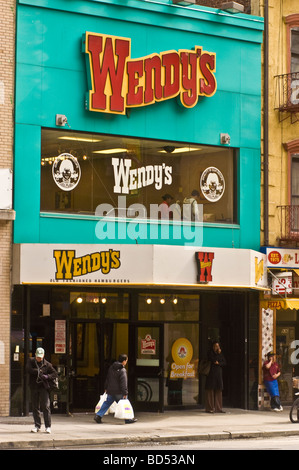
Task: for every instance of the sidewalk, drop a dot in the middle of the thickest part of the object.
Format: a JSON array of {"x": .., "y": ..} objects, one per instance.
[{"x": 171, "y": 426}]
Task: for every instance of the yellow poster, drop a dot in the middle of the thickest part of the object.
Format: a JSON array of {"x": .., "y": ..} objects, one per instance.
[{"x": 182, "y": 353}]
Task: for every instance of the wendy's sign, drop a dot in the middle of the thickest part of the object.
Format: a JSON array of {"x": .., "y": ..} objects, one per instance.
[{"x": 118, "y": 82}]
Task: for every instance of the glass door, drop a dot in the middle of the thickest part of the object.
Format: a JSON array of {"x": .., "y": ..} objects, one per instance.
[
  {"x": 93, "y": 347},
  {"x": 146, "y": 367},
  {"x": 84, "y": 365},
  {"x": 285, "y": 336}
]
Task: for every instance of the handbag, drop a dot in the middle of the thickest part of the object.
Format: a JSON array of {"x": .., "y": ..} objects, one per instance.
[
  {"x": 204, "y": 367},
  {"x": 124, "y": 410}
]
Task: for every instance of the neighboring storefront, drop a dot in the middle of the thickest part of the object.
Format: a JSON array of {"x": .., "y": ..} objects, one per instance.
[
  {"x": 114, "y": 114},
  {"x": 279, "y": 313}
]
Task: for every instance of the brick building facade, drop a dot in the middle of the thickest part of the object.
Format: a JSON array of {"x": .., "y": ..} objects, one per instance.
[{"x": 7, "y": 67}]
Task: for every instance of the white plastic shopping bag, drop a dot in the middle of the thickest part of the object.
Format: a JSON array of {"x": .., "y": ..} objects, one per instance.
[
  {"x": 112, "y": 407},
  {"x": 124, "y": 410},
  {"x": 100, "y": 402}
]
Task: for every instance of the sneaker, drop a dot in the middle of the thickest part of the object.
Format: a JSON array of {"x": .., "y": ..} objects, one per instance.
[
  {"x": 98, "y": 419},
  {"x": 276, "y": 409},
  {"x": 129, "y": 421},
  {"x": 281, "y": 408},
  {"x": 48, "y": 430},
  {"x": 35, "y": 429}
]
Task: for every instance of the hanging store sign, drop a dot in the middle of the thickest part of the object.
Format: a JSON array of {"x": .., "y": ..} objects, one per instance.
[
  {"x": 138, "y": 265},
  {"x": 282, "y": 258},
  {"x": 282, "y": 283},
  {"x": 118, "y": 82}
]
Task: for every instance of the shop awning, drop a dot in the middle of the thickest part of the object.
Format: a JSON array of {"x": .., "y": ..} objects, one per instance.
[
  {"x": 136, "y": 264},
  {"x": 291, "y": 303},
  {"x": 281, "y": 304}
]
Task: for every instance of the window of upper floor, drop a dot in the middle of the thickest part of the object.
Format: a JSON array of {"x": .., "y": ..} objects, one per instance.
[
  {"x": 82, "y": 172},
  {"x": 287, "y": 95},
  {"x": 292, "y": 24}
]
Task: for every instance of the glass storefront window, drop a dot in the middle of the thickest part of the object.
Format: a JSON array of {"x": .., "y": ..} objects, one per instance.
[
  {"x": 168, "y": 307},
  {"x": 147, "y": 389},
  {"x": 181, "y": 363},
  {"x": 286, "y": 335},
  {"x": 117, "y": 176},
  {"x": 99, "y": 305}
]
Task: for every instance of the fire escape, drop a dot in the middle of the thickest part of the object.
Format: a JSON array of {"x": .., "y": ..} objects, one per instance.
[
  {"x": 289, "y": 225},
  {"x": 287, "y": 103}
]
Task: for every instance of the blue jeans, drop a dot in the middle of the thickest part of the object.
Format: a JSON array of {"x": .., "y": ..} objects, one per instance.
[
  {"x": 273, "y": 390},
  {"x": 106, "y": 405}
]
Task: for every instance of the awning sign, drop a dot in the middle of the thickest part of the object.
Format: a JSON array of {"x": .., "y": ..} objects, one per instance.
[
  {"x": 282, "y": 283},
  {"x": 138, "y": 265},
  {"x": 282, "y": 258}
]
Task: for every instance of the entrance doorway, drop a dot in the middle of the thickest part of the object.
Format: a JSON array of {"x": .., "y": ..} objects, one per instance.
[
  {"x": 93, "y": 347},
  {"x": 146, "y": 367},
  {"x": 285, "y": 347}
]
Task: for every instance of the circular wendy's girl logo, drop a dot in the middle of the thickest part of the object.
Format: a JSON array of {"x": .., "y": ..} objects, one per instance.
[
  {"x": 182, "y": 351},
  {"x": 212, "y": 184},
  {"x": 66, "y": 171}
]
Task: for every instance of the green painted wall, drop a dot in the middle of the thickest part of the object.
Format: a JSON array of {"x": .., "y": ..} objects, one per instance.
[{"x": 51, "y": 79}]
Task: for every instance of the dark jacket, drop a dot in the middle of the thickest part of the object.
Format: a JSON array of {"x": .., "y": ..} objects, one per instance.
[
  {"x": 37, "y": 372},
  {"x": 214, "y": 379},
  {"x": 117, "y": 381}
]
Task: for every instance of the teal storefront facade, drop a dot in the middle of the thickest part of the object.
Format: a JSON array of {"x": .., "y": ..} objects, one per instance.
[{"x": 117, "y": 105}]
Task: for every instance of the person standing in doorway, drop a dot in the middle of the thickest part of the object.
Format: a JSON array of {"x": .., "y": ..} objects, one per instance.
[
  {"x": 214, "y": 381},
  {"x": 116, "y": 387},
  {"x": 40, "y": 371},
  {"x": 271, "y": 372}
]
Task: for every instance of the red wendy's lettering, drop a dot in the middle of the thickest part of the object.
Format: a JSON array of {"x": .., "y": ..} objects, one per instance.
[
  {"x": 204, "y": 262},
  {"x": 118, "y": 82},
  {"x": 103, "y": 51}
]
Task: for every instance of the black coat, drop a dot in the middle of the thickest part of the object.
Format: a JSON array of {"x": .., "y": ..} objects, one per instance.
[
  {"x": 214, "y": 380},
  {"x": 37, "y": 370},
  {"x": 117, "y": 381}
]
